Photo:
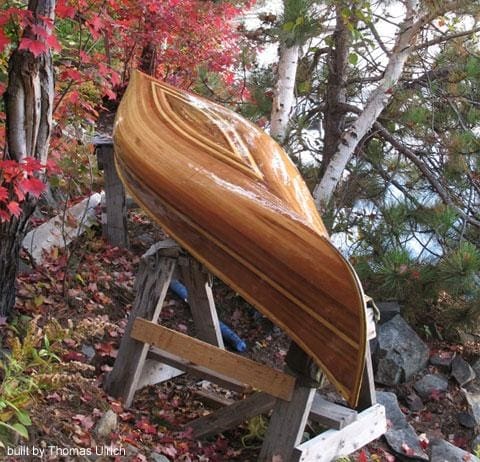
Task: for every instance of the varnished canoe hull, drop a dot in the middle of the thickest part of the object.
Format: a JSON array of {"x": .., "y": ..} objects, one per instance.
[{"x": 230, "y": 195}]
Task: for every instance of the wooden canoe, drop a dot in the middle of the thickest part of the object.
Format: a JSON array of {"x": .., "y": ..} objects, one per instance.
[{"x": 230, "y": 195}]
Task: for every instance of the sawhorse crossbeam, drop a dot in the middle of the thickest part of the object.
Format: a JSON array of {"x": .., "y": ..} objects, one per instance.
[{"x": 150, "y": 353}]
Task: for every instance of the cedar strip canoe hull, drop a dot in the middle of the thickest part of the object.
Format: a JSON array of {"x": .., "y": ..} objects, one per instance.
[{"x": 231, "y": 196}]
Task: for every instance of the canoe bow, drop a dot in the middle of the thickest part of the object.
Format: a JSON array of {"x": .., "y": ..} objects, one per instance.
[{"x": 230, "y": 195}]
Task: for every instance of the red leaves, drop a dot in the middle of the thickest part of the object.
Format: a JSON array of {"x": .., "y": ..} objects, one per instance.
[
  {"x": 362, "y": 457},
  {"x": 62, "y": 10},
  {"x": 32, "y": 186},
  {"x": 146, "y": 427},
  {"x": 18, "y": 181},
  {"x": 4, "y": 40},
  {"x": 14, "y": 208}
]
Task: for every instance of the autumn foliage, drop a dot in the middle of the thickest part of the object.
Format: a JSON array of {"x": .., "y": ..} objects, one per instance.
[{"x": 95, "y": 45}]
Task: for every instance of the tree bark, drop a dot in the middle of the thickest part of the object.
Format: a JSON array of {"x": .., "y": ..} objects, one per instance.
[
  {"x": 284, "y": 95},
  {"x": 28, "y": 104},
  {"x": 336, "y": 96},
  {"x": 376, "y": 102}
]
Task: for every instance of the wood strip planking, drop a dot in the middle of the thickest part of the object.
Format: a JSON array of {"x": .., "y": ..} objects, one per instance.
[{"x": 245, "y": 370}]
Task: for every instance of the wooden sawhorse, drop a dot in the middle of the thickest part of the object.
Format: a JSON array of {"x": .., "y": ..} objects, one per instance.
[{"x": 150, "y": 353}]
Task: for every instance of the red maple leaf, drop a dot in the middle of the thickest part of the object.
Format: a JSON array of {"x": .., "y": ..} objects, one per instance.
[
  {"x": 14, "y": 208},
  {"x": 53, "y": 42},
  {"x": 36, "y": 47},
  {"x": 3, "y": 194},
  {"x": 32, "y": 186},
  {"x": 62, "y": 10}
]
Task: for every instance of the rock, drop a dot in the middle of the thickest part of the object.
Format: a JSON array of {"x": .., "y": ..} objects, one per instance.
[
  {"x": 462, "y": 371},
  {"x": 444, "y": 451},
  {"x": 476, "y": 443},
  {"x": 431, "y": 385},
  {"x": 472, "y": 395},
  {"x": 388, "y": 310},
  {"x": 88, "y": 351},
  {"x": 476, "y": 367},
  {"x": 404, "y": 442},
  {"x": 442, "y": 359},
  {"x": 156, "y": 457},
  {"x": 414, "y": 402},
  {"x": 466, "y": 420},
  {"x": 107, "y": 424},
  {"x": 400, "y": 352},
  {"x": 400, "y": 436}
]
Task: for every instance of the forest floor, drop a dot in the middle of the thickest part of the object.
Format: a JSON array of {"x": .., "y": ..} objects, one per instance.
[{"x": 88, "y": 291}]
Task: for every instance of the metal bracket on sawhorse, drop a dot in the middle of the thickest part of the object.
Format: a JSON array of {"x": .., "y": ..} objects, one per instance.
[{"x": 150, "y": 353}]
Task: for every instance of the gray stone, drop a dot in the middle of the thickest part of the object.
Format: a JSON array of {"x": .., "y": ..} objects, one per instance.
[
  {"x": 442, "y": 359},
  {"x": 400, "y": 434},
  {"x": 466, "y": 420},
  {"x": 107, "y": 424},
  {"x": 156, "y": 457},
  {"x": 462, "y": 371},
  {"x": 472, "y": 395},
  {"x": 88, "y": 351},
  {"x": 395, "y": 417},
  {"x": 476, "y": 367},
  {"x": 400, "y": 352},
  {"x": 430, "y": 385},
  {"x": 476, "y": 443},
  {"x": 404, "y": 442},
  {"x": 443, "y": 451},
  {"x": 388, "y": 310},
  {"x": 414, "y": 402}
]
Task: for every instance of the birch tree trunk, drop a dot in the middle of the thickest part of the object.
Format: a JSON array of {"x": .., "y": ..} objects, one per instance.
[
  {"x": 377, "y": 101},
  {"x": 284, "y": 94},
  {"x": 29, "y": 103}
]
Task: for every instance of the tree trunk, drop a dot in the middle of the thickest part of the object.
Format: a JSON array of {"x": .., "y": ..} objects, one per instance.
[
  {"x": 377, "y": 101},
  {"x": 336, "y": 96},
  {"x": 28, "y": 103},
  {"x": 284, "y": 95}
]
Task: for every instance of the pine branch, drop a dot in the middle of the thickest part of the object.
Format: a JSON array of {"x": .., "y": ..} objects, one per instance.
[{"x": 434, "y": 182}]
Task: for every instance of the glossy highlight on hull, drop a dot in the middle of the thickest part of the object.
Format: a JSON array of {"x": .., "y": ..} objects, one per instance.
[{"x": 230, "y": 195}]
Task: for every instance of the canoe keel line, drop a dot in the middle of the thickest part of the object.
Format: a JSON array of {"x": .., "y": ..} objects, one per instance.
[{"x": 230, "y": 196}]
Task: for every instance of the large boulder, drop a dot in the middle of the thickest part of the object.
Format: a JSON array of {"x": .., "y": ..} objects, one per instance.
[{"x": 400, "y": 352}]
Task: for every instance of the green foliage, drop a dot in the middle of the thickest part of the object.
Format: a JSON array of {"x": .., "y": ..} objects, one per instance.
[{"x": 299, "y": 22}]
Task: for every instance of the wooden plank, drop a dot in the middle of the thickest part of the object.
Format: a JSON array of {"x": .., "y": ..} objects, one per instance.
[
  {"x": 115, "y": 229},
  {"x": 331, "y": 415},
  {"x": 212, "y": 399},
  {"x": 202, "y": 305},
  {"x": 151, "y": 285},
  {"x": 245, "y": 370},
  {"x": 332, "y": 444},
  {"x": 231, "y": 416},
  {"x": 287, "y": 425},
  {"x": 197, "y": 371}
]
